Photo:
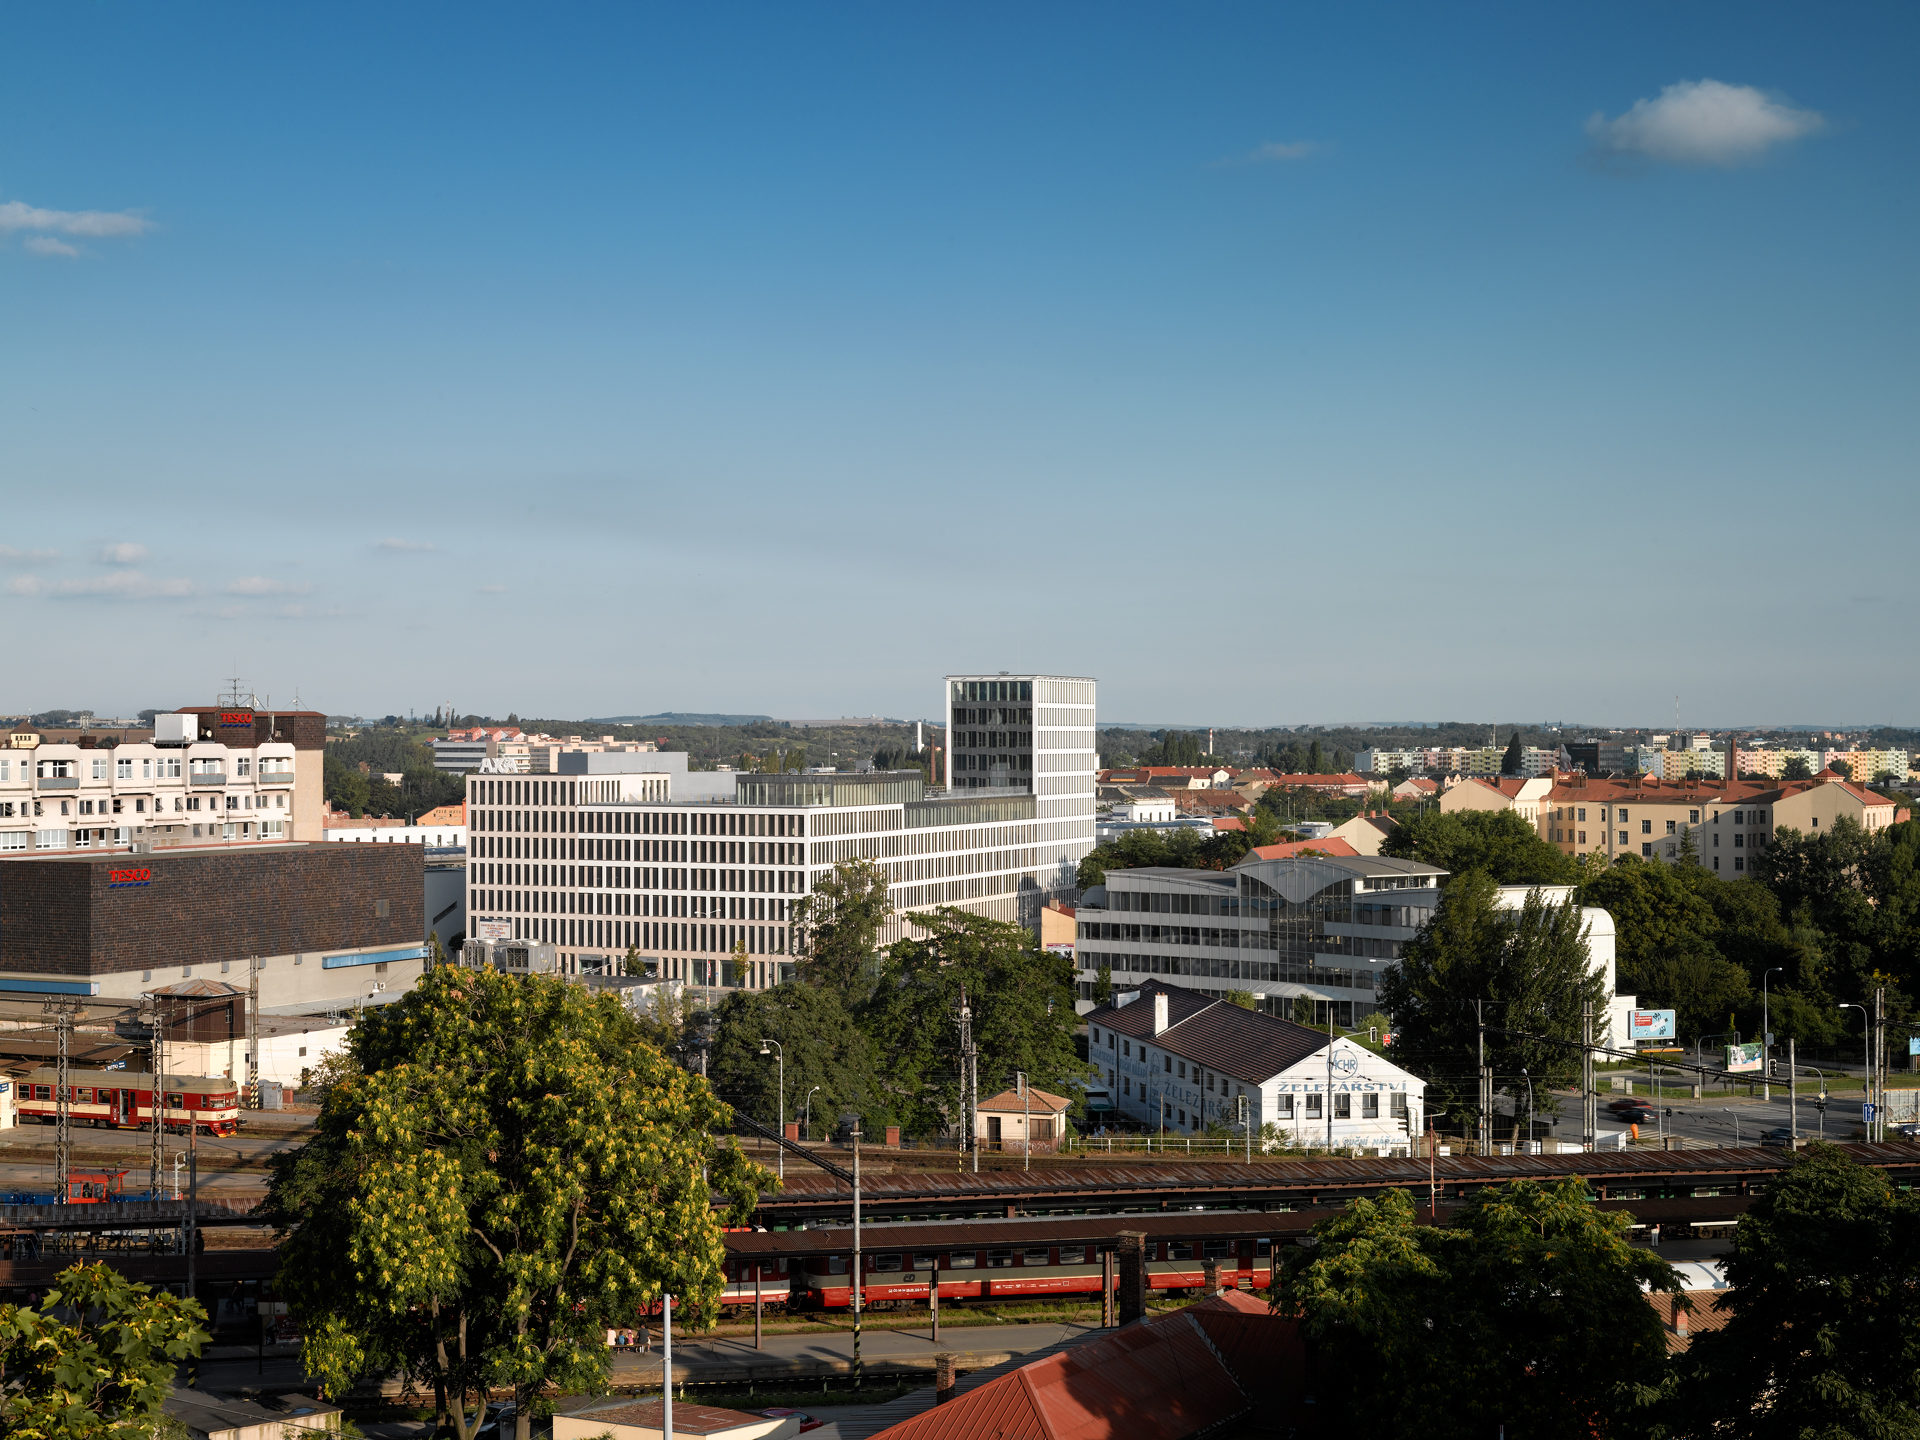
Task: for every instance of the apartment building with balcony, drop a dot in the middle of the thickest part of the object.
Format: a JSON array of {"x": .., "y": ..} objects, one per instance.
[{"x": 206, "y": 775}]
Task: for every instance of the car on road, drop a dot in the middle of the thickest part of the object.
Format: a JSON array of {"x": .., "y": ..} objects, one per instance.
[
  {"x": 1632, "y": 1111},
  {"x": 1908, "y": 1131},
  {"x": 1779, "y": 1135}
]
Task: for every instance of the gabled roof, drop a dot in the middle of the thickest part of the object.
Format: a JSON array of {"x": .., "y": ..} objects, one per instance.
[
  {"x": 1215, "y": 1034},
  {"x": 1161, "y": 1379},
  {"x": 1010, "y": 1102},
  {"x": 1287, "y": 849}
]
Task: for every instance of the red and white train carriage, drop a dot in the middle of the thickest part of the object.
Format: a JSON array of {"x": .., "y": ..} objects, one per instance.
[{"x": 123, "y": 1100}]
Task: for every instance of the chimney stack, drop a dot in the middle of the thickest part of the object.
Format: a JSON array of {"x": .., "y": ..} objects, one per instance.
[{"x": 1159, "y": 1012}]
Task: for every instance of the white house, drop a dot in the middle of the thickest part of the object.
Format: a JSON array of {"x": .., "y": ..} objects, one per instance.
[{"x": 1179, "y": 1061}]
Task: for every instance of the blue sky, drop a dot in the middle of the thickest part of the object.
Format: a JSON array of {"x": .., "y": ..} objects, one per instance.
[{"x": 1271, "y": 364}]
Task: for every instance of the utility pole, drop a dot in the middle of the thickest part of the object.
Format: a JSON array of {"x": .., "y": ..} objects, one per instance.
[
  {"x": 666, "y": 1366},
  {"x": 1589, "y": 1098},
  {"x": 1026, "y": 1122},
  {"x": 1793, "y": 1096},
  {"x": 252, "y": 1099},
  {"x": 969, "y": 1081},
  {"x": 1329, "y": 1097},
  {"x": 1766, "y": 1038},
  {"x": 1486, "y": 1083},
  {"x": 157, "y": 1065},
  {"x": 1878, "y": 1129},
  {"x": 62, "y": 1012},
  {"x": 857, "y": 1276}
]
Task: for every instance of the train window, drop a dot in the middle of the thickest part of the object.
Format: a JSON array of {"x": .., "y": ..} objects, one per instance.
[
  {"x": 999, "y": 1259},
  {"x": 886, "y": 1262},
  {"x": 176, "y": 1102},
  {"x": 43, "y": 1092},
  {"x": 1035, "y": 1255},
  {"x": 923, "y": 1260},
  {"x": 1262, "y": 1249},
  {"x": 836, "y": 1264},
  {"x": 1073, "y": 1254},
  {"x": 1215, "y": 1250},
  {"x": 963, "y": 1260},
  {"x": 1179, "y": 1250}
]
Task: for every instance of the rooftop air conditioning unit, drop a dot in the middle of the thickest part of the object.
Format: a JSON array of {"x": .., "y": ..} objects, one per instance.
[{"x": 176, "y": 729}]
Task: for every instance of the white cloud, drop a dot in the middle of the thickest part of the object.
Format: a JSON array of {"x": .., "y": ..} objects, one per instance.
[
  {"x": 14, "y": 555},
  {"x": 120, "y": 585},
  {"x": 94, "y": 224},
  {"x": 1702, "y": 122},
  {"x": 410, "y": 547},
  {"x": 262, "y": 585},
  {"x": 123, "y": 552},
  {"x": 47, "y": 245}
]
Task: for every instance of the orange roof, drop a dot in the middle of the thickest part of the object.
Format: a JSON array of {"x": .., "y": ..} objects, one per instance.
[
  {"x": 1008, "y": 1102},
  {"x": 1316, "y": 781},
  {"x": 445, "y": 815},
  {"x": 1162, "y": 1379},
  {"x": 1192, "y": 772},
  {"x": 1703, "y": 1314},
  {"x": 1291, "y": 849},
  {"x": 1229, "y": 822},
  {"x": 1210, "y": 800}
]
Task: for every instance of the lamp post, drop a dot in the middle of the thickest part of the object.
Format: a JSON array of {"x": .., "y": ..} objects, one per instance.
[
  {"x": 1529, "y": 1079},
  {"x": 806, "y": 1122},
  {"x": 1724, "y": 1110},
  {"x": 774, "y": 1046},
  {"x": 1766, "y": 1036},
  {"x": 1866, "y": 1075}
]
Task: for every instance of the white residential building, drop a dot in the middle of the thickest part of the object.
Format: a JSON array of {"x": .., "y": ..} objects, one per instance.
[{"x": 1176, "y": 1060}]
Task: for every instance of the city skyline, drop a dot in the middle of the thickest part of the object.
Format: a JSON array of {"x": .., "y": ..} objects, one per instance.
[{"x": 1406, "y": 362}]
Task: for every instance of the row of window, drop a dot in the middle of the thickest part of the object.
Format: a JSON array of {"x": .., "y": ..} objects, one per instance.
[
  {"x": 149, "y": 767},
  {"x": 1217, "y": 968},
  {"x": 888, "y": 1263}
]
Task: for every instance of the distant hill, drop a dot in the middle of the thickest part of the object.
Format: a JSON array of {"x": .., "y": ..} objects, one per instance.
[{"x": 679, "y": 717}]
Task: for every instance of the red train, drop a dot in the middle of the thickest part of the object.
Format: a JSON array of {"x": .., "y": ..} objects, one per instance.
[
  {"x": 123, "y": 1100},
  {"x": 1010, "y": 1259}
]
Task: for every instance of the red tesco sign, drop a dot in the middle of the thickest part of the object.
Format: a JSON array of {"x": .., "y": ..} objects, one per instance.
[
  {"x": 121, "y": 879},
  {"x": 237, "y": 717}
]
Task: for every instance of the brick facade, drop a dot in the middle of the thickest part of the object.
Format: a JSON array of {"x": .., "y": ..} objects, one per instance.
[{"x": 67, "y": 917}]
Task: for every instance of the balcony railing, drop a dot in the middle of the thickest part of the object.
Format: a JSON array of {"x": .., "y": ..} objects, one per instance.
[
  {"x": 275, "y": 777},
  {"x": 57, "y": 782},
  {"x": 207, "y": 779}
]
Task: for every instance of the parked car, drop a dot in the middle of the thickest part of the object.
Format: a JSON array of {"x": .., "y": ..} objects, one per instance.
[
  {"x": 1908, "y": 1131},
  {"x": 1780, "y": 1135}
]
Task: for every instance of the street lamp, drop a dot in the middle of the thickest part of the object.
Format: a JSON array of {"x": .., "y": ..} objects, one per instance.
[
  {"x": 1736, "y": 1124},
  {"x": 1766, "y": 1037},
  {"x": 780, "y": 1150},
  {"x": 806, "y": 1123},
  {"x": 1529, "y": 1079},
  {"x": 1866, "y": 1075}
]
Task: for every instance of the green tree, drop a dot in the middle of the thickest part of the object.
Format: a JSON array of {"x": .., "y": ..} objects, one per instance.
[
  {"x": 1667, "y": 940},
  {"x": 1514, "y": 757},
  {"x": 95, "y": 1358},
  {"x": 839, "y": 927},
  {"x": 1530, "y": 970},
  {"x": 1523, "y": 1310},
  {"x": 823, "y": 1046},
  {"x": 510, "y": 1171},
  {"x": 1496, "y": 841},
  {"x": 1023, "y": 1013},
  {"x": 1822, "y": 1337},
  {"x": 1245, "y": 999},
  {"x": 1103, "y": 984},
  {"x": 1796, "y": 768}
]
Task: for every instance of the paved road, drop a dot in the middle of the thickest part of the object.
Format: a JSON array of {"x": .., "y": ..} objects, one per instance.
[{"x": 1722, "y": 1121}]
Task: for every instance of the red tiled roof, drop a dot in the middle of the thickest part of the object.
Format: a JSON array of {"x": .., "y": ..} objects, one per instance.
[
  {"x": 1287, "y": 849},
  {"x": 1008, "y": 1102},
  {"x": 1702, "y": 1314},
  {"x": 1162, "y": 1379},
  {"x": 1310, "y": 782},
  {"x": 1210, "y": 800}
]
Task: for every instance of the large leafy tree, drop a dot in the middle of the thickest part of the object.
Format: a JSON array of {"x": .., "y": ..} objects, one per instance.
[
  {"x": 1823, "y": 1338},
  {"x": 505, "y": 1169},
  {"x": 1023, "y": 1014},
  {"x": 823, "y": 1046},
  {"x": 838, "y": 928},
  {"x": 1529, "y": 968},
  {"x": 1669, "y": 939},
  {"x": 1523, "y": 1310},
  {"x": 94, "y": 1359},
  {"x": 1496, "y": 841}
]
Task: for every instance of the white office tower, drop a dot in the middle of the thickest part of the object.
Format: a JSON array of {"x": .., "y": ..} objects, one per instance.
[{"x": 1026, "y": 733}]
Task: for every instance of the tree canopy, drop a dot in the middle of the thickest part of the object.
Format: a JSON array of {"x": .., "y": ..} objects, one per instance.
[
  {"x": 1822, "y": 1338},
  {"x": 1023, "y": 1014},
  {"x": 1498, "y": 842},
  {"x": 507, "y": 1170},
  {"x": 1530, "y": 969},
  {"x": 1523, "y": 1309},
  {"x": 95, "y": 1358},
  {"x": 825, "y": 1048},
  {"x": 839, "y": 925}
]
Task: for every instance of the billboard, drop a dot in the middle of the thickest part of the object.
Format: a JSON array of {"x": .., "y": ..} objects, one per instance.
[
  {"x": 493, "y": 930},
  {"x": 1743, "y": 1057},
  {"x": 1650, "y": 1025}
]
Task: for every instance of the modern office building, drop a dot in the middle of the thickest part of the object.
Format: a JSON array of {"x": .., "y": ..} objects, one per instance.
[
  {"x": 1316, "y": 928},
  {"x": 332, "y": 926},
  {"x": 205, "y": 775},
  {"x": 699, "y": 873},
  {"x": 1025, "y": 732}
]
